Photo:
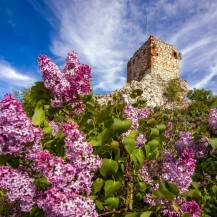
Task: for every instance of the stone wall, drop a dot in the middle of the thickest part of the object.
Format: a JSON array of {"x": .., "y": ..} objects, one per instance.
[
  {"x": 156, "y": 57},
  {"x": 153, "y": 88}
]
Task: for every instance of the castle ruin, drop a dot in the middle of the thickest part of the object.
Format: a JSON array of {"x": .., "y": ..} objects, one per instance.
[{"x": 155, "y": 57}]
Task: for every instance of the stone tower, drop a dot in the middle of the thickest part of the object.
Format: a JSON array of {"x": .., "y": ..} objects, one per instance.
[{"x": 155, "y": 57}]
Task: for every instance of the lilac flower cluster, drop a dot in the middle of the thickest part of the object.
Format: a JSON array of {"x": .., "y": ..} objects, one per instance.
[
  {"x": 66, "y": 85},
  {"x": 69, "y": 181},
  {"x": 144, "y": 172},
  {"x": 55, "y": 128},
  {"x": 16, "y": 129},
  {"x": 134, "y": 114},
  {"x": 19, "y": 187},
  {"x": 79, "y": 154},
  {"x": 178, "y": 171},
  {"x": 199, "y": 146},
  {"x": 192, "y": 208},
  {"x": 213, "y": 120},
  {"x": 140, "y": 140},
  {"x": 168, "y": 130}
]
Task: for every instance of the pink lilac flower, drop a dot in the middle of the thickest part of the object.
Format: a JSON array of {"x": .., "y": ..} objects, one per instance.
[
  {"x": 79, "y": 154},
  {"x": 213, "y": 120},
  {"x": 134, "y": 114},
  {"x": 20, "y": 187},
  {"x": 168, "y": 130},
  {"x": 70, "y": 180},
  {"x": 140, "y": 140},
  {"x": 67, "y": 85},
  {"x": 144, "y": 172},
  {"x": 16, "y": 129},
  {"x": 192, "y": 208},
  {"x": 55, "y": 128},
  {"x": 199, "y": 146},
  {"x": 178, "y": 171},
  {"x": 57, "y": 203}
]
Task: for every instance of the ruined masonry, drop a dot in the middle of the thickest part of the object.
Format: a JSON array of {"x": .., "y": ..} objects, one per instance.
[
  {"x": 149, "y": 70},
  {"x": 155, "y": 57}
]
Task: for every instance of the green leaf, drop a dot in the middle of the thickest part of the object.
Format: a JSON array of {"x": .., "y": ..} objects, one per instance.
[
  {"x": 4, "y": 159},
  {"x": 154, "y": 132},
  {"x": 194, "y": 194},
  {"x": 109, "y": 167},
  {"x": 153, "y": 144},
  {"x": 129, "y": 144},
  {"x": 41, "y": 183},
  {"x": 147, "y": 150},
  {"x": 175, "y": 207},
  {"x": 161, "y": 127},
  {"x": 47, "y": 129},
  {"x": 111, "y": 187},
  {"x": 140, "y": 156},
  {"x": 146, "y": 214},
  {"x": 94, "y": 142},
  {"x": 135, "y": 214},
  {"x": 115, "y": 146},
  {"x": 164, "y": 194},
  {"x": 213, "y": 142},
  {"x": 14, "y": 162},
  {"x": 171, "y": 187},
  {"x": 195, "y": 185},
  {"x": 121, "y": 125},
  {"x": 133, "y": 134},
  {"x": 214, "y": 189},
  {"x": 112, "y": 202},
  {"x": 90, "y": 107},
  {"x": 39, "y": 116},
  {"x": 36, "y": 212},
  {"x": 167, "y": 190},
  {"x": 99, "y": 205},
  {"x": 185, "y": 214},
  {"x": 142, "y": 185},
  {"x": 97, "y": 185}
]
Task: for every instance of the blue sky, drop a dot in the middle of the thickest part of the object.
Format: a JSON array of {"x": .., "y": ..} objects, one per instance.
[{"x": 105, "y": 34}]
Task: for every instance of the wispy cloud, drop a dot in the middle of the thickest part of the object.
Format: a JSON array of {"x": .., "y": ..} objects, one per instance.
[
  {"x": 12, "y": 79},
  {"x": 106, "y": 34},
  {"x": 102, "y": 33}
]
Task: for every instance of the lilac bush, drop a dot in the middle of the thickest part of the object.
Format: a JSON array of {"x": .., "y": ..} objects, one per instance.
[
  {"x": 213, "y": 120},
  {"x": 199, "y": 146},
  {"x": 134, "y": 114},
  {"x": 70, "y": 181},
  {"x": 66, "y": 85},
  {"x": 19, "y": 187}
]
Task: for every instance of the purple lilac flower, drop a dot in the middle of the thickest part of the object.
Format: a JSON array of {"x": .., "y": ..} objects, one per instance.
[
  {"x": 134, "y": 114},
  {"x": 79, "y": 154},
  {"x": 54, "y": 127},
  {"x": 70, "y": 181},
  {"x": 56, "y": 203},
  {"x": 66, "y": 85},
  {"x": 144, "y": 172},
  {"x": 213, "y": 120},
  {"x": 16, "y": 129},
  {"x": 140, "y": 140},
  {"x": 178, "y": 171},
  {"x": 199, "y": 146},
  {"x": 19, "y": 187},
  {"x": 192, "y": 208},
  {"x": 168, "y": 130}
]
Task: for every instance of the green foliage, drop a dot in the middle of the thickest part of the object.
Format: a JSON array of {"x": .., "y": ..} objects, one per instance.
[
  {"x": 118, "y": 189},
  {"x": 173, "y": 90}
]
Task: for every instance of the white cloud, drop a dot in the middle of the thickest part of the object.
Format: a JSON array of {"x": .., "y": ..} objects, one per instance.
[
  {"x": 102, "y": 34},
  {"x": 12, "y": 79},
  {"x": 107, "y": 33}
]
